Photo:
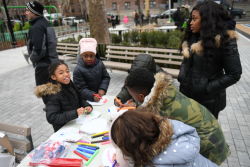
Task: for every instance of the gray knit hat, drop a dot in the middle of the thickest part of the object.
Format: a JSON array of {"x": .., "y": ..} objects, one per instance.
[{"x": 35, "y": 7}]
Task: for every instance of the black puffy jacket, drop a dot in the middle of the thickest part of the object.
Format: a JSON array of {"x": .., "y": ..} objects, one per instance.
[
  {"x": 90, "y": 79},
  {"x": 62, "y": 101},
  {"x": 141, "y": 61},
  {"x": 41, "y": 43},
  {"x": 205, "y": 78}
]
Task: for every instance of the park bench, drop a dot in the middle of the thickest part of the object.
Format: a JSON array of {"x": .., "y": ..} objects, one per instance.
[
  {"x": 16, "y": 139},
  {"x": 120, "y": 58},
  {"x": 67, "y": 51}
]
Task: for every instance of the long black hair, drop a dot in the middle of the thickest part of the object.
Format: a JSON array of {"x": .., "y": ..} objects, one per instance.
[{"x": 215, "y": 19}]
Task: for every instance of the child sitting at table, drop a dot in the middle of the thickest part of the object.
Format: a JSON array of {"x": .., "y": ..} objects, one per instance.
[
  {"x": 157, "y": 94},
  {"x": 90, "y": 75},
  {"x": 62, "y": 100},
  {"x": 147, "y": 139}
]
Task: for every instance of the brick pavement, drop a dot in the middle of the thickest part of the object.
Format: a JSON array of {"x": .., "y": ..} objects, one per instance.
[{"x": 19, "y": 106}]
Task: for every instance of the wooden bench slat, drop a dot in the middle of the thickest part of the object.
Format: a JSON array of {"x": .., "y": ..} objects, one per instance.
[
  {"x": 144, "y": 49},
  {"x": 25, "y": 131},
  {"x": 168, "y": 62}
]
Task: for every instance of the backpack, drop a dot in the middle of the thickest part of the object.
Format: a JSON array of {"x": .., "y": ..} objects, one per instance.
[{"x": 51, "y": 44}]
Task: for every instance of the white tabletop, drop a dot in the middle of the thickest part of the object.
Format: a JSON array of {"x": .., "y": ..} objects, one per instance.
[{"x": 97, "y": 161}]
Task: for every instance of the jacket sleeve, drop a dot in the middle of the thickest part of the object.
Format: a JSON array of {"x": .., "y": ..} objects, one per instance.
[
  {"x": 231, "y": 65},
  {"x": 38, "y": 40},
  {"x": 123, "y": 95},
  {"x": 82, "y": 85},
  {"x": 54, "y": 114},
  {"x": 86, "y": 104},
  {"x": 105, "y": 78}
]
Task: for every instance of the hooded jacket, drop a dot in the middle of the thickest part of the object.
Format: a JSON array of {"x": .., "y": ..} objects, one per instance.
[
  {"x": 166, "y": 100},
  {"x": 183, "y": 151},
  {"x": 62, "y": 101},
  {"x": 141, "y": 61},
  {"x": 205, "y": 78},
  {"x": 89, "y": 79}
]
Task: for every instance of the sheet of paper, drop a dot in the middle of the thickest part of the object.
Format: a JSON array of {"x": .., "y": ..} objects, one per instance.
[
  {"x": 67, "y": 134},
  {"x": 101, "y": 102},
  {"x": 94, "y": 126},
  {"x": 88, "y": 117},
  {"x": 107, "y": 156}
]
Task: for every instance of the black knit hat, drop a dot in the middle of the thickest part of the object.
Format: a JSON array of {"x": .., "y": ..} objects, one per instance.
[{"x": 35, "y": 7}]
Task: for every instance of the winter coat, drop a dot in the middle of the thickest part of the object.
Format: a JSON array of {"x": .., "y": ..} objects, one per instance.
[
  {"x": 62, "y": 101},
  {"x": 183, "y": 150},
  {"x": 41, "y": 43},
  {"x": 166, "y": 100},
  {"x": 205, "y": 78},
  {"x": 141, "y": 61},
  {"x": 90, "y": 79}
]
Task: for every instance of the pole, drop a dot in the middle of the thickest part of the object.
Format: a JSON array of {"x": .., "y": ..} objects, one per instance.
[
  {"x": 169, "y": 7},
  {"x": 9, "y": 25}
]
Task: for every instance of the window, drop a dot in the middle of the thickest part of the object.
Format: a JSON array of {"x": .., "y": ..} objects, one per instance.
[
  {"x": 114, "y": 6},
  {"x": 127, "y": 5},
  {"x": 152, "y": 3}
]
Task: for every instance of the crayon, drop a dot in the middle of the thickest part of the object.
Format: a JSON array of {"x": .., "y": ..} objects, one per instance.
[
  {"x": 80, "y": 155},
  {"x": 105, "y": 138},
  {"x": 98, "y": 96},
  {"x": 106, "y": 142},
  {"x": 87, "y": 147},
  {"x": 86, "y": 150},
  {"x": 91, "y": 159},
  {"x": 99, "y": 141}
]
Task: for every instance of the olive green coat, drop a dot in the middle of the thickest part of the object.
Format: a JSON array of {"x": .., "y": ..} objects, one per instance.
[{"x": 166, "y": 100}]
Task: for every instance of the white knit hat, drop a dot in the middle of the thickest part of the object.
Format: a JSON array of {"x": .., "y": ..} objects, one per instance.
[{"x": 88, "y": 45}]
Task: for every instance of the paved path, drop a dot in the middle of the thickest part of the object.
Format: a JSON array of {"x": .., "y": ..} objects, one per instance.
[{"x": 18, "y": 105}]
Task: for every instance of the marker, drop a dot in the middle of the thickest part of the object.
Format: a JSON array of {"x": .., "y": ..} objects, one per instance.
[
  {"x": 126, "y": 108},
  {"x": 91, "y": 159},
  {"x": 99, "y": 141},
  {"x": 115, "y": 162},
  {"x": 87, "y": 147},
  {"x": 80, "y": 155},
  {"x": 87, "y": 144},
  {"x": 98, "y": 96},
  {"x": 84, "y": 154},
  {"x": 101, "y": 133},
  {"x": 86, "y": 150}
]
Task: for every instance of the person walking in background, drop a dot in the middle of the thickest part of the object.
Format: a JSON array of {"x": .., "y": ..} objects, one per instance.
[
  {"x": 178, "y": 19},
  {"x": 136, "y": 18},
  {"x": 211, "y": 58},
  {"x": 147, "y": 139},
  {"x": 41, "y": 43},
  {"x": 63, "y": 101},
  {"x": 90, "y": 75},
  {"x": 125, "y": 19}
]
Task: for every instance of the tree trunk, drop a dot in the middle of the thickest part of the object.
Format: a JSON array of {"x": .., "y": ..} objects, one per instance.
[{"x": 98, "y": 22}]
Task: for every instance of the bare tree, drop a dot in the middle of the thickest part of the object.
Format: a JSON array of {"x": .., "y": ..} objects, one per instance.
[{"x": 98, "y": 21}]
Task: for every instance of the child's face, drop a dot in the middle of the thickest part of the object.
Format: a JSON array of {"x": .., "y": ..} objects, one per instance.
[
  {"x": 62, "y": 74},
  {"x": 138, "y": 97},
  {"x": 88, "y": 58}
]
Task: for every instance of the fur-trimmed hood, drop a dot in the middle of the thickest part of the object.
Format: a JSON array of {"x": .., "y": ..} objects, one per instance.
[
  {"x": 197, "y": 47},
  {"x": 47, "y": 89},
  {"x": 162, "y": 89}
]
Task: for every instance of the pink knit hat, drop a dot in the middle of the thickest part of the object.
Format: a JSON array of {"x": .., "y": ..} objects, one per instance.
[{"x": 87, "y": 45}]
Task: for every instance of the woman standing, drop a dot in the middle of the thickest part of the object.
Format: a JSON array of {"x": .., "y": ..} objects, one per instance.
[{"x": 211, "y": 58}]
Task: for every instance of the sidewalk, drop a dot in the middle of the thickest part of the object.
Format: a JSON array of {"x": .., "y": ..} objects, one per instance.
[{"x": 18, "y": 104}]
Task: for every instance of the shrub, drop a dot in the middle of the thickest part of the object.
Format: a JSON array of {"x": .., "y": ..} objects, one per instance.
[
  {"x": 26, "y": 26},
  {"x": 69, "y": 40},
  {"x": 116, "y": 39}
]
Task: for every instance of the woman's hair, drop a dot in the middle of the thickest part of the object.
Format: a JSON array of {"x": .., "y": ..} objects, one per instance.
[
  {"x": 215, "y": 20},
  {"x": 54, "y": 65},
  {"x": 141, "y": 136}
]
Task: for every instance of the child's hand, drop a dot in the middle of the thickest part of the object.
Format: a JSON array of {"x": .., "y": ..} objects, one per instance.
[
  {"x": 101, "y": 92},
  {"x": 88, "y": 109},
  {"x": 96, "y": 99},
  {"x": 129, "y": 103},
  {"x": 80, "y": 111}
]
